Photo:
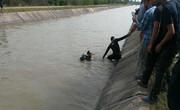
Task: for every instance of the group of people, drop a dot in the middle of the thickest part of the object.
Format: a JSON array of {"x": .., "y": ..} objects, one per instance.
[{"x": 159, "y": 23}]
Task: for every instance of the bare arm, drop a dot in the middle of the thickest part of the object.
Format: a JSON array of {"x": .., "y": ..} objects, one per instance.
[
  {"x": 132, "y": 30},
  {"x": 122, "y": 38}
]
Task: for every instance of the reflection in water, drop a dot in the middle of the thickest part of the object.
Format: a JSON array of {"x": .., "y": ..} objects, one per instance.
[{"x": 40, "y": 67}]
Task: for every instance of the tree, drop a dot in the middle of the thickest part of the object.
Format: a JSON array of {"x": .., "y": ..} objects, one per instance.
[
  {"x": 60, "y": 2},
  {"x": 88, "y": 2},
  {"x": 69, "y": 2},
  {"x": 51, "y": 2},
  {"x": 126, "y": 1},
  {"x": 15, "y": 2},
  {"x": 103, "y": 1},
  {"x": 96, "y": 2},
  {"x": 63, "y": 2},
  {"x": 7, "y": 2},
  {"x": 57, "y": 2}
]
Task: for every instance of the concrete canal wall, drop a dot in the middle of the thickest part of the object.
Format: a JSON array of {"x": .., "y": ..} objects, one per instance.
[
  {"x": 122, "y": 91},
  {"x": 20, "y": 17}
]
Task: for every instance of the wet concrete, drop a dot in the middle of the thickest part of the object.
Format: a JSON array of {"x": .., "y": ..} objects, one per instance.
[
  {"x": 20, "y": 17},
  {"x": 122, "y": 91}
]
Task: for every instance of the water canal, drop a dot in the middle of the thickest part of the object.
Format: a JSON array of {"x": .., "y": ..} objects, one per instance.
[{"x": 39, "y": 62}]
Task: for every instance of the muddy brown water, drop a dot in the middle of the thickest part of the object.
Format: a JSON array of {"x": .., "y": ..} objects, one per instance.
[{"x": 39, "y": 62}]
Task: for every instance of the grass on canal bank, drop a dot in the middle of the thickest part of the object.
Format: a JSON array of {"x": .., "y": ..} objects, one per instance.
[
  {"x": 162, "y": 98},
  {"x": 42, "y": 8}
]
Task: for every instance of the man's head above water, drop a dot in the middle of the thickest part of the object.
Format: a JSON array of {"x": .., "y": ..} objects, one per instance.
[{"x": 112, "y": 38}]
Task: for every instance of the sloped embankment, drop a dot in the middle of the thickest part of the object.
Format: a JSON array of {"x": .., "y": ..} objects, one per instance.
[
  {"x": 20, "y": 17},
  {"x": 122, "y": 91}
]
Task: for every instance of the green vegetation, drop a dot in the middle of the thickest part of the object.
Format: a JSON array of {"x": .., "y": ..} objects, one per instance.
[
  {"x": 162, "y": 98},
  {"x": 60, "y": 2},
  {"x": 38, "y": 5},
  {"x": 40, "y": 8}
]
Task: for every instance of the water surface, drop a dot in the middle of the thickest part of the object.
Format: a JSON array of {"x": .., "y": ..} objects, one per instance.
[{"x": 39, "y": 62}]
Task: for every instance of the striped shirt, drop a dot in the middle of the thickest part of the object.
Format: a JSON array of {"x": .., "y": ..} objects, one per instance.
[{"x": 146, "y": 25}]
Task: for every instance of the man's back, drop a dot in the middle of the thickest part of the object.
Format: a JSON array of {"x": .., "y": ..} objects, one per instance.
[
  {"x": 169, "y": 16},
  {"x": 115, "y": 47}
]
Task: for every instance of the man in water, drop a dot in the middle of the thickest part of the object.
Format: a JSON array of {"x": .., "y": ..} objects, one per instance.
[
  {"x": 87, "y": 57},
  {"x": 115, "y": 48}
]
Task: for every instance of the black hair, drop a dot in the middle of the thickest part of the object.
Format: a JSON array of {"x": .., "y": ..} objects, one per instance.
[
  {"x": 112, "y": 38},
  {"x": 88, "y": 52}
]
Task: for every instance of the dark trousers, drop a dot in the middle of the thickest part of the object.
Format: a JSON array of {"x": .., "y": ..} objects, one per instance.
[
  {"x": 174, "y": 88},
  {"x": 151, "y": 61},
  {"x": 150, "y": 64},
  {"x": 163, "y": 63},
  {"x": 114, "y": 56}
]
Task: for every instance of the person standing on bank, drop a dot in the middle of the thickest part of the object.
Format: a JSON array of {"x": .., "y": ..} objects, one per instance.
[
  {"x": 115, "y": 48},
  {"x": 173, "y": 96},
  {"x": 146, "y": 26},
  {"x": 141, "y": 12},
  {"x": 152, "y": 55},
  {"x": 166, "y": 48}
]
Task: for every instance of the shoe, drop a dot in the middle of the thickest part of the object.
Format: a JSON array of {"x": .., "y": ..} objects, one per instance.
[
  {"x": 146, "y": 99},
  {"x": 137, "y": 76},
  {"x": 142, "y": 84}
]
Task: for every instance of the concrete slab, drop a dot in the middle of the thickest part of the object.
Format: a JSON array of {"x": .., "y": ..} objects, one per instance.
[
  {"x": 122, "y": 91},
  {"x": 20, "y": 17},
  {"x": 45, "y": 15},
  {"x": 7, "y": 18},
  {"x": 29, "y": 16},
  {"x": 127, "y": 104}
]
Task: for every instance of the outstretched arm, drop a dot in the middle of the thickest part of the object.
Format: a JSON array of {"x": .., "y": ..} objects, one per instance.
[
  {"x": 106, "y": 51},
  {"x": 132, "y": 30},
  {"x": 121, "y": 38}
]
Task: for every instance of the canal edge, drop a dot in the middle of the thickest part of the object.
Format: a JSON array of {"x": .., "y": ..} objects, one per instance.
[{"x": 122, "y": 91}]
